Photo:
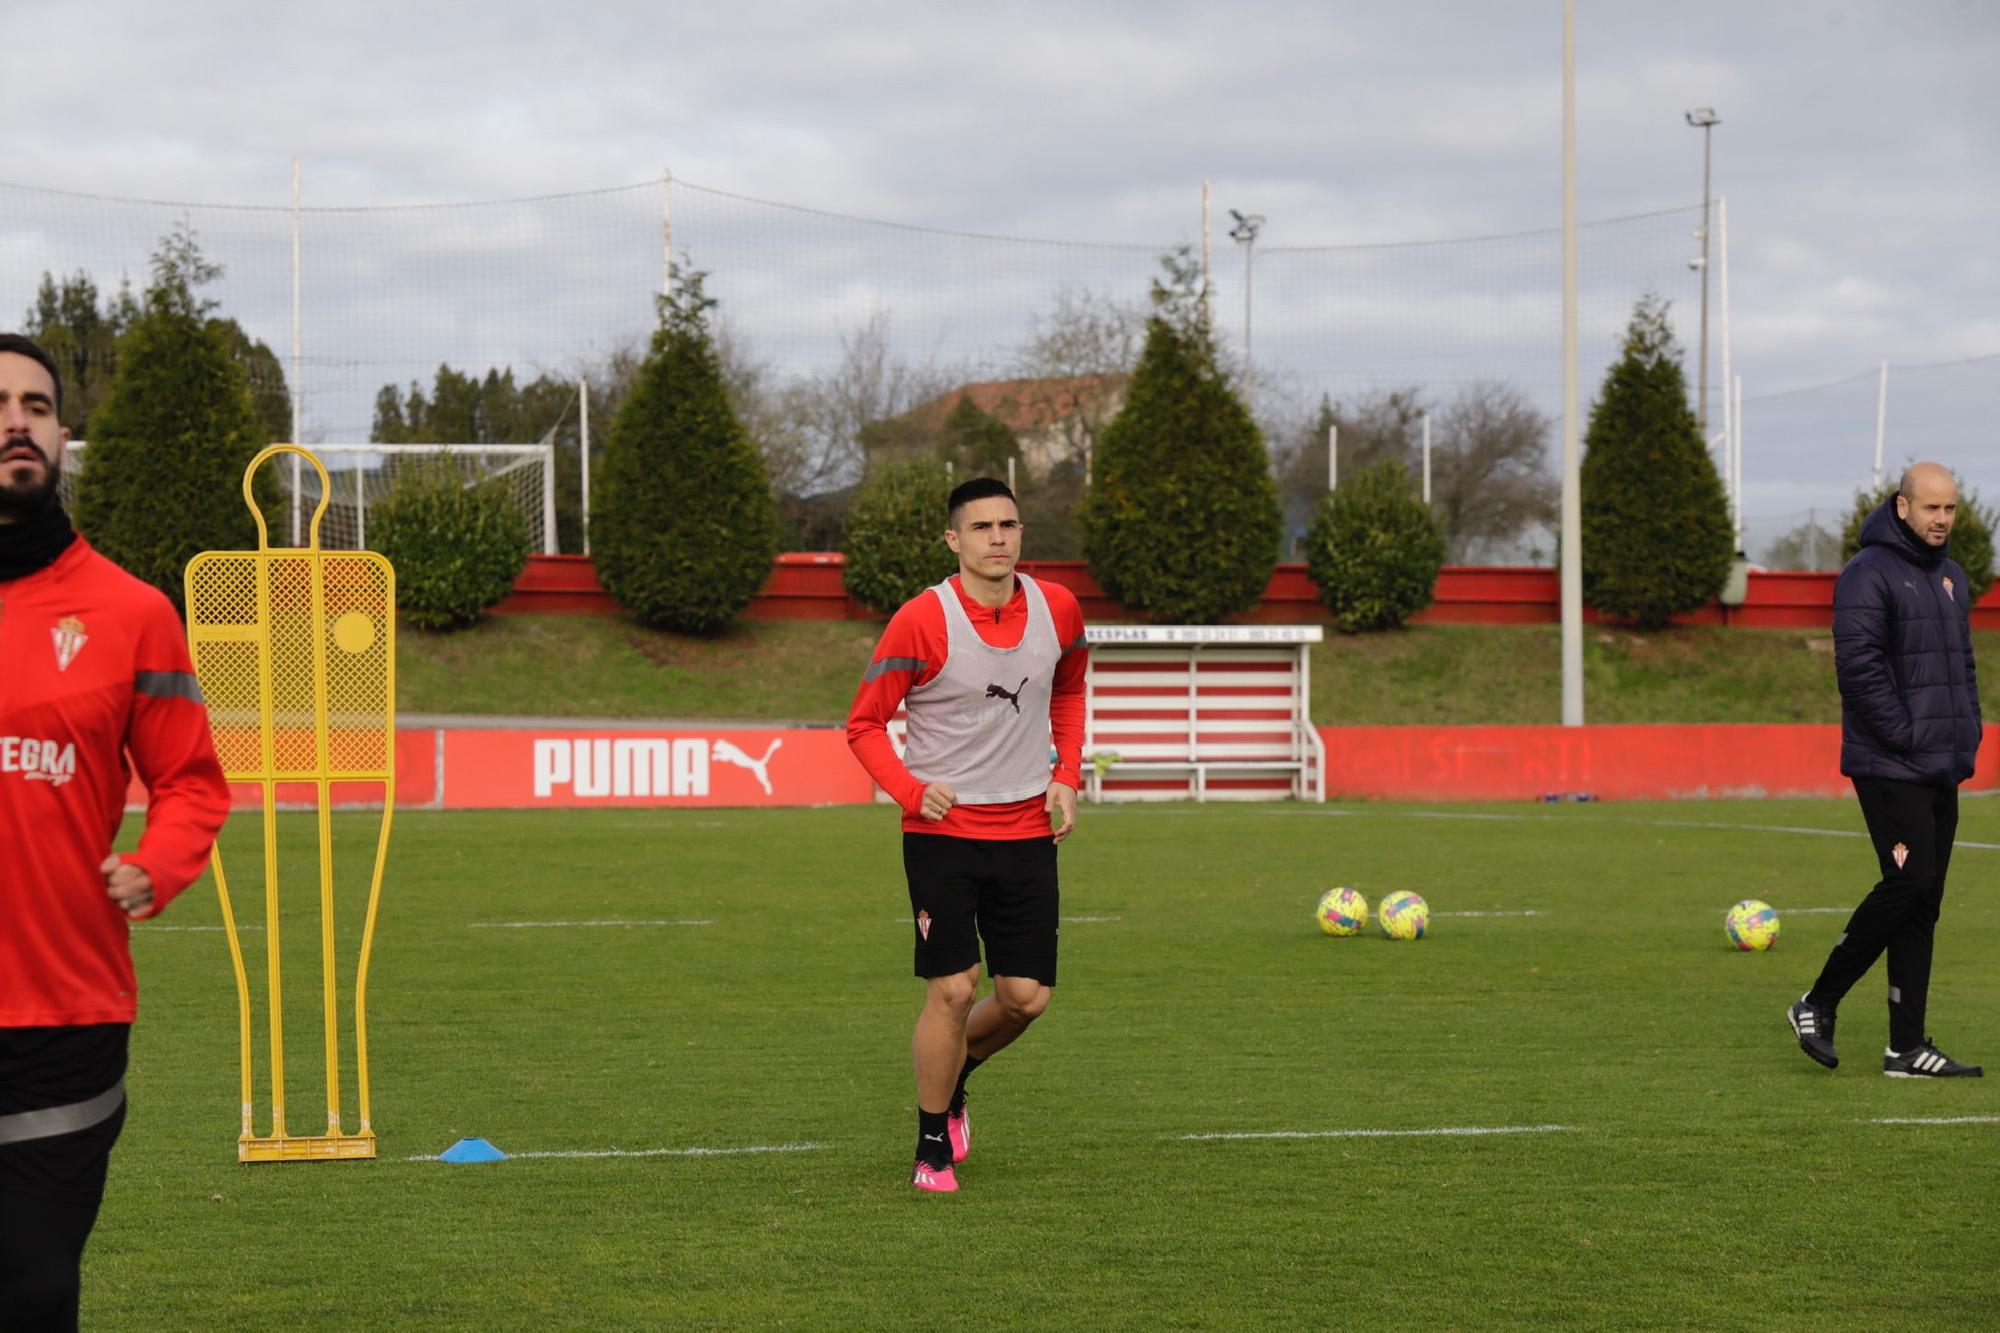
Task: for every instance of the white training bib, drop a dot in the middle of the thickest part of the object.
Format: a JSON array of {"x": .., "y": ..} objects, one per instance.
[{"x": 981, "y": 725}]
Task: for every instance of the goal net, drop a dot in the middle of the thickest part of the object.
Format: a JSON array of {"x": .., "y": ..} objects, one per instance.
[{"x": 361, "y": 476}]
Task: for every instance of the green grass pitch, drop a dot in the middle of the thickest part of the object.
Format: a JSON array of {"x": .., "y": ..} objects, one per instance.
[{"x": 1710, "y": 1176}]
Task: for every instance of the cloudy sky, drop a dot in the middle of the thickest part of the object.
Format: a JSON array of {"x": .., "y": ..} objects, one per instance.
[{"x": 1857, "y": 147}]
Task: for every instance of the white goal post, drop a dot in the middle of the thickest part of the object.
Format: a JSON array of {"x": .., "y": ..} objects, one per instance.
[{"x": 362, "y": 475}]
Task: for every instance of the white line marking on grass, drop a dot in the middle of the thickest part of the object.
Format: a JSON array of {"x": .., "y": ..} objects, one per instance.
[
  {"x": 1087, "y": 920},
  {"x": 1937, "y": 1120},
  {"x": 1716, "y": 824},
  {"x": 1467, "y": 814},
  {"x": 651, "y": 1152},
  {"x": 1533, "y": 911},
  {"x": 1446, "y": 1132},
  {"x": 1814, "y": 911},
  {"x": 532, "y": 925},
  {"x": 203, "y": 930}
]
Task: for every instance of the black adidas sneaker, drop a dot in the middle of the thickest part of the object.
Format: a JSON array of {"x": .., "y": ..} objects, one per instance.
[
  {"x": 1813, "y": 1026},
  {"x": 1926, "y": 1061}
]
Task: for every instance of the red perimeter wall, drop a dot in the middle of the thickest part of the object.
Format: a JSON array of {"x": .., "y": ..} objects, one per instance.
[
  {"x": 805, "y": 585},
  {"x": 552, "y": 765}
]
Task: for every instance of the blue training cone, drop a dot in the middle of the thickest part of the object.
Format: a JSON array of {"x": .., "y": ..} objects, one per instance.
[{"x": 471, "y": 1150}]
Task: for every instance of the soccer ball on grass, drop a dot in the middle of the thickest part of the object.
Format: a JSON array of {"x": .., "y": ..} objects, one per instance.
[
  {"x": 1404, "y": 916},
  {"x": 1752, "y": 926},
  {"x": 1342, "y": 911}
]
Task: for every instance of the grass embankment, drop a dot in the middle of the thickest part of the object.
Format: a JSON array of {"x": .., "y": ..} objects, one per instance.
[{"x": 584, "y": 666}]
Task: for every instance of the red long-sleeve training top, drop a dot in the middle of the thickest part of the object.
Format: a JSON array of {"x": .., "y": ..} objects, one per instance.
[
  {"x": 94, "y": 676},
  {"x": 916, "y": 633}
]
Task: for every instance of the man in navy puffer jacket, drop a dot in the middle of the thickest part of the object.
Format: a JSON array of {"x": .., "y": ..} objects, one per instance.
[{"x": 1909, "y": 729}]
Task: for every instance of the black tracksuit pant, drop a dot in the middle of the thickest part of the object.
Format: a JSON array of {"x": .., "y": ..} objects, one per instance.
[
  {"x": 51, "y": 1185},
  {"x": 1912, "y": 826}
]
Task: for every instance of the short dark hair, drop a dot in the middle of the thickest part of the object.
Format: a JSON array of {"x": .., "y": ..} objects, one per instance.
[
  {"x": 979, "y": 488},
  {"x": 22, "y": 345}
]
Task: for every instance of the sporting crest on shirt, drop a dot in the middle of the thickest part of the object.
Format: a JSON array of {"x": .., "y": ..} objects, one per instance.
[
  {"x": 1901, "y": 853},
  {"x": 924, "y": 925},
  {"x": 70, "y": 638},
  {"x": 1947, "y": 588}
]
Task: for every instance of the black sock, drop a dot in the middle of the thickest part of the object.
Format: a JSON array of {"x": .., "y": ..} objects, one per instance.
[
  {"x": 933, "y": 1143},
  {"x": 972, "y": 1062}
]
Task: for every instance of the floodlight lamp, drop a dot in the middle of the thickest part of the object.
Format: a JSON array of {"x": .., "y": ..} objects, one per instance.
[
  {"x": 1247, "y": 226},
  {"x": 1702, "y": 117}
]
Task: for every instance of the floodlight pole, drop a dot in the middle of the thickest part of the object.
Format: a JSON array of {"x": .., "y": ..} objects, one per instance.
[
  {"x": 1731, "y": 453},
  {"x": 1207, "y": 260},
  {"x": 1704, "y": 119},
  {"x": 1881, "y": 420},
  {"x": 1246, "y": 229},
  {"x": 1736, "y": 416},
  {"x": 1427, "y": 458},
  {"x": 1332, "y": 458},
  {"x": 666, "y": 231},
  {"x": 1572, "y": 506}
]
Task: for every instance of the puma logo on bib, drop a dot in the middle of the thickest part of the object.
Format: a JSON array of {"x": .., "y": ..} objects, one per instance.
[{"x": 1012, "y": 696}]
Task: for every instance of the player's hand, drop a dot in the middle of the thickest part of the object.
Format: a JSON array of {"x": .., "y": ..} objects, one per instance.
[
  {"x": 130, "y": 887},
  {"x": 937, "y": 801},
  {"x": 1062, "y": 799}
]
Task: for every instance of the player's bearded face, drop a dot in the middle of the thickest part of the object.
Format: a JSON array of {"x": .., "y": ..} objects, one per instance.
[{"x": 28, "y": 477}]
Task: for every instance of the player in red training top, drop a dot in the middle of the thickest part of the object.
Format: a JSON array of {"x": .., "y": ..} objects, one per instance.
[
  {"x": 989, "y": 665},
  {"x": 96, "y": 669}
]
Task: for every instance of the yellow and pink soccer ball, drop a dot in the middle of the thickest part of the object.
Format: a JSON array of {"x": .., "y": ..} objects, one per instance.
[
  {"x": 1752, "y": 926},
  {"x": 1342, "y": 911},
  {"x": 1403, "y": 916}
]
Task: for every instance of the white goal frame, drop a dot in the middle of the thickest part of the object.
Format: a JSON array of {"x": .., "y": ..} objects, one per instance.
[{"x": 331, "y": 454}]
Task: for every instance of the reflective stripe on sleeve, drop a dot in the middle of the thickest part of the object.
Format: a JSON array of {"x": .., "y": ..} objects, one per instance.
[
  {"x": 888, "y": 664},
  {"x": 168, "y": 685}
]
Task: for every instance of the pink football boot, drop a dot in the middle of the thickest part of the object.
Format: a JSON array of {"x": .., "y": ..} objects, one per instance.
[{"x": 960, "y": 1128}]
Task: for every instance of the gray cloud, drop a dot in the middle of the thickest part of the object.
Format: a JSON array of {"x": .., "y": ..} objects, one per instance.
[{"x": 1855, "y": 152}]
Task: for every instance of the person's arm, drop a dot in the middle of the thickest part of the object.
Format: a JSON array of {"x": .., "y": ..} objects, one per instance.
[
  {"x": 910, "y": 653},
  {"x": 1066, "y": 699},
  {"x": 1861, "y": 627},
  {"x": 1067, "y": 705},
  {"x": 1972, "y": 679},
  {"x": 173, "y": 754}
]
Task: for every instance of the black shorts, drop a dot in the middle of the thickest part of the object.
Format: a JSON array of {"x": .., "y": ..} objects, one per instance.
[
  {"x": 44, "y": 1067},
  {"x": 964, "y": 890}
]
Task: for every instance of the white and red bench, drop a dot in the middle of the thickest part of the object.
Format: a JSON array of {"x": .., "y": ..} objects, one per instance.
[{"x": 1201, "y": 712}]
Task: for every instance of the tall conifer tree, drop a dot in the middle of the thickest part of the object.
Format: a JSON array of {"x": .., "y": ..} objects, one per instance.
[
  {"x": 163, "y": 478},
  {"x": 687, "y": 528},
  {"x": 1181, "y": 521},
  {"x": 1657, "y": 539}
]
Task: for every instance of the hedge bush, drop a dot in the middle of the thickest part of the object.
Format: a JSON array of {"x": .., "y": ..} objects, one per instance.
[
  {"x": 894, "y": 538},
  {"x": 1375, "y": 550},
  {"x": 457, "y": 549},
  {"x": 1657, "y": 538},
  {"x": 162, "y": 480},
  {"x": 687, "y": 528},
  {"x": 1971, "y": 543},
  {"x": 1181, "y": 521}
]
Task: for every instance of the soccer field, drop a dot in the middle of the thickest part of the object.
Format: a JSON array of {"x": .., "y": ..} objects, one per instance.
[{"x": 1681, "y": 1162}]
